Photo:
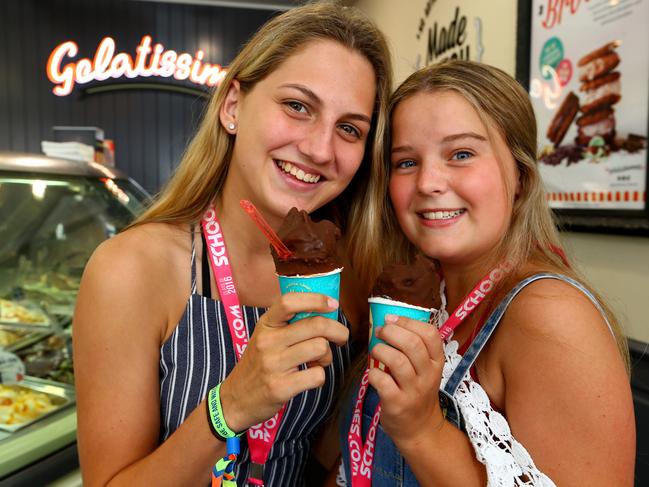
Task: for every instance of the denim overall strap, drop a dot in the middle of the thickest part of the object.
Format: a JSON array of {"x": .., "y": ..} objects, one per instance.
[{"x": 470, "y": 356}]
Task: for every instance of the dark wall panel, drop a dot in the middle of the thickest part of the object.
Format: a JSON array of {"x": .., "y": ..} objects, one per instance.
[
  {"x": 4, "y": 88},
  {"x": 150, "y": 128}
]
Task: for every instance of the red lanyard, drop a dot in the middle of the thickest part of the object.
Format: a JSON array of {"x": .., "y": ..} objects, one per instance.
[
  {"x": 473, "y": 299},
  {"x": 361, "y": 456},
  {"x": 262, "y": 436}
]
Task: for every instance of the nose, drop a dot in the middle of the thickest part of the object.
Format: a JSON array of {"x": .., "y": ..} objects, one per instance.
[
  {"x": 432, "y": 178},
  {"x": 318, "y": 143}
]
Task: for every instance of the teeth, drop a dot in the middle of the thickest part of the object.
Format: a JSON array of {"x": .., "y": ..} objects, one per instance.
[
  {"x": 442, "y": 215},
  {"x": 289, "y": 168}
]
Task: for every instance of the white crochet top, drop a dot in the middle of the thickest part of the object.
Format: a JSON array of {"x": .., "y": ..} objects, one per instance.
[{"x": 507, "y": 462}]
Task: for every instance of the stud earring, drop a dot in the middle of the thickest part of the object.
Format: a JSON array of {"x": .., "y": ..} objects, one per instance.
[{"x": 231, "y": 126}]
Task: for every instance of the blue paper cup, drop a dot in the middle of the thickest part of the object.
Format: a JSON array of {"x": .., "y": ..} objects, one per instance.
[
  {"x": 379, "y": 307},
  {"x": 326, "y": 283}
]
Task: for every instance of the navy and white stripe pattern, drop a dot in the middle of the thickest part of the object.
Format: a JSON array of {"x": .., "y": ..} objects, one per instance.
[{"x": 199, "y": 354}]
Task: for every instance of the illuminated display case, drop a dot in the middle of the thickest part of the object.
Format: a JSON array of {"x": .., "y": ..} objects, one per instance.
[{"x": 53, "y": 214}]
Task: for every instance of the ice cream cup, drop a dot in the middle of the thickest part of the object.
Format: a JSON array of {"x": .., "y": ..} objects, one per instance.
[
  {"x": 326, "y": 283},
  {"x": 379, "y": 307}
]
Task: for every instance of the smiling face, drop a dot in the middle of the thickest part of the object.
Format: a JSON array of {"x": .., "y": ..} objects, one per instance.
[
  {"x": 301, "y": 131},
  {"x": 449, "y": 179}
]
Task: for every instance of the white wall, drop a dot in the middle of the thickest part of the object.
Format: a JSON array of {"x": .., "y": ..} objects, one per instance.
[
  {"x": 400, "y": 20},
  {"x": 617, "y": 266}
]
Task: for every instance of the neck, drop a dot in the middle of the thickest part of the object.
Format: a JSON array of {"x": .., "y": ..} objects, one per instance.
[
  {"x": 252, "y": 264},
  {"x": 244, "y": 239}
]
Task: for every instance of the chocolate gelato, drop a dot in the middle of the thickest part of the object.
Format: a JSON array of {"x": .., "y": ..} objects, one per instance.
[
  {"x": 416, "y": 284},
  {"x": 313, "y": 245}
]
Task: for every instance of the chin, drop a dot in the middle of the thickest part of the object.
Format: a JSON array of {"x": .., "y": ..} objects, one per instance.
[
  {"x": 440, "y": 251},
  {"x": 282, "y": 207},
  {"x": 312, "y": 204}
]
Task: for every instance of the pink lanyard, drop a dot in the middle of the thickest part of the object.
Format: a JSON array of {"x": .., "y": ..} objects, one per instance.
[
  {"x": 262, "y": 436},
  {"x": 473, "y": 299},
  {"x": 361, "y": 456}
]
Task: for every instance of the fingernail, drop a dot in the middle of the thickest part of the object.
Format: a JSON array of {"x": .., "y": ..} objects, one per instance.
[
  {"x": 332, "y": 303},
  {"x": 391, "y": 318}
]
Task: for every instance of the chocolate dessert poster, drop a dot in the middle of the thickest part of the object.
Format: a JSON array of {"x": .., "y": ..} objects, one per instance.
[{"x": 589, "y": 67}]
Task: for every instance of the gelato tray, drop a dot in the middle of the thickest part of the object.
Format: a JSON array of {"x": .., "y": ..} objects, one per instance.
[
  {"x": 23, "y": 315},
  {"x": 49, "y": 358},
  {"x": 9, "y": 338},
  {"x": 31, "y": 400},
  {"x": 13, "y": 339}
]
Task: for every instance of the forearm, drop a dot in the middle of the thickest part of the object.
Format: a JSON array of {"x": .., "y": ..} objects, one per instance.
[
  {"x": 443, "y": 458},
  {"x": 185, "y": 458}
]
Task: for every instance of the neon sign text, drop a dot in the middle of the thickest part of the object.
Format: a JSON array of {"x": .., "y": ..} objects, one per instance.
[{"x": 149, "y": 61}]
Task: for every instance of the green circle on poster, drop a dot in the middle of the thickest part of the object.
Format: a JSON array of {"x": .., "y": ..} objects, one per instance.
[{"x": 551, "y": 55}]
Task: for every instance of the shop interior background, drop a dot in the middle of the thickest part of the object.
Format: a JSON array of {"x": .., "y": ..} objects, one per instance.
[{"x": 151, "y": 127}]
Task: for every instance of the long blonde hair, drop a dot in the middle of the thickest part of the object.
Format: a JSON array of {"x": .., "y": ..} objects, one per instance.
[
  {"x": 502, "y": 103},
  {"x": 201, "y": 175}
]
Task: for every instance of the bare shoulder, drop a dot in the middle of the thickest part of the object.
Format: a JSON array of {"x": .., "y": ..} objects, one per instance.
[
  {"x": 140, "y": 246},
  {"x": 544, "y": 307},
  {"x": 566, "y": 389},
  {"x": 130, "y": 291},
  {"x": 550, "y": 328},
  {"x": 142, "y": 254},
  {"x": 122, "y": 312},
  {"x": 564, "y": 383},
  {"x": 139, "y": 268}
]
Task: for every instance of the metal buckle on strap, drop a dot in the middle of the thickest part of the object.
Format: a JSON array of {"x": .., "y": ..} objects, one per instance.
[{"x": 256, "y": 472}]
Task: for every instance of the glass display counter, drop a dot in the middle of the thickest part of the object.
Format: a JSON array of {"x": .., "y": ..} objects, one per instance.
[{"x": 53, "y": 214}]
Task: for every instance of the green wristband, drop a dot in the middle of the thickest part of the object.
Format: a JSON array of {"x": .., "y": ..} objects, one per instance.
[
  {"x": 209, "y": 422},
  {"x": 216, "y": 414}
]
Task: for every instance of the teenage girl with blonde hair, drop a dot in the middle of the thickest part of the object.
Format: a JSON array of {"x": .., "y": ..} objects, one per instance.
[
  {"x": 532, "y": 386},
  {"x": 297, "y": 121}
]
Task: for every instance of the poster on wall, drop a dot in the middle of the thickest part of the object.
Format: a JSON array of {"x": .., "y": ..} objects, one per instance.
[{"x": 589, "y": 68}]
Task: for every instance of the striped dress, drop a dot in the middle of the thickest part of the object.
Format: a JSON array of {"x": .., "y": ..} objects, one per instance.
[{"x": 199, "y": 354}]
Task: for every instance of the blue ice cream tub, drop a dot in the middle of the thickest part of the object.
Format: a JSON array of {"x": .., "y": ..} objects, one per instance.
[
  {"x": 327, "y": 283},
  {"x": 379, "y": 307}
]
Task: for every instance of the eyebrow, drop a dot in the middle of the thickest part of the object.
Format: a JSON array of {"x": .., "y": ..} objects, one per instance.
[
  {"x": 402, "y": 148},
  {"x": 448, "y": 138},
  {"x": 464, "y": 135},
  {"x": 316, "y": 100}
]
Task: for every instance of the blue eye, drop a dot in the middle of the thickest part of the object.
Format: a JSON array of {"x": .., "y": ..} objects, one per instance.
[
  {"x": 405, "y": 164},
  {"x": 461, "y": 155}
]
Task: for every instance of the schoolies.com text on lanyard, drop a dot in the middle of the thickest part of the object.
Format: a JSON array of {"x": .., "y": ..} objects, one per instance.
[
  {"x": 262, "y": 436},
  {"x": 361, "y": 456}
]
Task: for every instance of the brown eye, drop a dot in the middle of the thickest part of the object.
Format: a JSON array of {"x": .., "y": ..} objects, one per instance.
[
  {"x": 296, "y": 106},
  {"x": 350, "y": 130}
]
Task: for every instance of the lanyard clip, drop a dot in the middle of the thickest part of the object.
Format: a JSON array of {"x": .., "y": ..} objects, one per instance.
[{"x": 256, "y": 476}]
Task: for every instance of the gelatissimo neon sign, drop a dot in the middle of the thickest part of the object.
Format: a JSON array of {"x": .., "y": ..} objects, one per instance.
[{"x": 149, "y": 61}]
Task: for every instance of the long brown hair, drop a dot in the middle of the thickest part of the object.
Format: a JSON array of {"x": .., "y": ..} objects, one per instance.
[
  {"x": 201, "y": 175},
  {"x": 502, "y": 103}
]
